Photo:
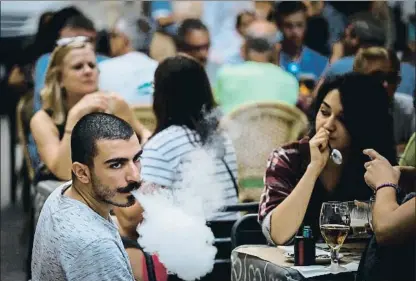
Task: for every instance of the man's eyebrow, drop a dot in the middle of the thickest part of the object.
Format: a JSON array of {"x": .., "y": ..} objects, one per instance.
[
  {"x": 116, "y": 160},
  {"x": 122, "y": 159},
  {"x": 138, "y": 154}
]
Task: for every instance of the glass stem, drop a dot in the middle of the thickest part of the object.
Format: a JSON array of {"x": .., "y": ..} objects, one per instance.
[{"x": 334, "y": 258}]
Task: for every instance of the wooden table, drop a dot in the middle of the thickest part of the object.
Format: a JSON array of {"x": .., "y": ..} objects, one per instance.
[{"x": 264, "y": 263}]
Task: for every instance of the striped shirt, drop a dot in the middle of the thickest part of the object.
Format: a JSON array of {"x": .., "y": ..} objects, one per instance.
[{"x": 165, "y": 155}]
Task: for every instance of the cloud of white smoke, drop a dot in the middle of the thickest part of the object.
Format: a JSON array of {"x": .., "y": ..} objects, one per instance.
[{"x": 174, "y": 225}]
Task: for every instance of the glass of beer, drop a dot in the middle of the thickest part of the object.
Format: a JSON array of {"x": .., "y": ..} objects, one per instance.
[
  {"x": 334, "y": 222},
  {"x": 359, "y": 218}
]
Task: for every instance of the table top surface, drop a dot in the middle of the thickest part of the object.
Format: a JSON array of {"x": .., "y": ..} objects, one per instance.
[{"x": 351, "y": 251}]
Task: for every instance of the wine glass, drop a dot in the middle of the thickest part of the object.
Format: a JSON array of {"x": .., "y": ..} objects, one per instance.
[{"x": 334, "y": 222}]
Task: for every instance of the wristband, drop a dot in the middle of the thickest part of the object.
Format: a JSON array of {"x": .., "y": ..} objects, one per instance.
[
  {"x": 68, "y": 131},
  {"x": 387, "y": 185}
]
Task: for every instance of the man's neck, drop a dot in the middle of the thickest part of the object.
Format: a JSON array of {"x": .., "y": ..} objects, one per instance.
[
  {"x": 82, "y": 193},
  {"x": 259, "y": 58},
  {"x": 291, "y": 50}
]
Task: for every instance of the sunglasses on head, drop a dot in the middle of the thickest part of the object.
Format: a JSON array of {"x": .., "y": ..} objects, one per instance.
[{"x": 71, "y": 40}]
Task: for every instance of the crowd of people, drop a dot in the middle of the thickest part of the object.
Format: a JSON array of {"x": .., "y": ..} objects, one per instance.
[{"x": 351, "y": 72}]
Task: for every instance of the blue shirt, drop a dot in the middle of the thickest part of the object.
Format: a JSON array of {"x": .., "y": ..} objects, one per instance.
[
  {"x": 310, "y": 63},
  {"x": 407, "y": 71}
]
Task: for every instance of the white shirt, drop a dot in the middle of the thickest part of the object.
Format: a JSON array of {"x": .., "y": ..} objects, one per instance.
[{"x": 131, "y": 76}]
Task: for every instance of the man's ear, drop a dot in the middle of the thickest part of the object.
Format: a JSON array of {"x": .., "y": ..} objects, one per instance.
[{"x": 82, "y": 172}]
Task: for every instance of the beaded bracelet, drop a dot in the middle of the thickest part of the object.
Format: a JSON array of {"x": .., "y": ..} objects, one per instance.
[{"x": 386, "y": 185}]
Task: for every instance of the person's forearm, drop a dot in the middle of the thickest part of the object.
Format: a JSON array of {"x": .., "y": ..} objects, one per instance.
[
  {"x": 287, "y": 217},
  {"x": 390, "y": 220}
]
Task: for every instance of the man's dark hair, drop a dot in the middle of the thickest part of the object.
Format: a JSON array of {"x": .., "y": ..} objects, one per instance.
[
  {"x": 240, "y": 17},
  {"x": 187, "y": 26},
  {"x": 80, "y": 22},
  {"x": 286, "y": 8},
  {"x": 93, "y": 127},
  {"x": 183, "y": 96},
  {"x": 368, "y": 30},
  {"x": 48, "y": 41}
]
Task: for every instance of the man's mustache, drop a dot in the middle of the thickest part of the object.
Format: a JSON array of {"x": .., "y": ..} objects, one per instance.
[{"x": 130, "y": 187}]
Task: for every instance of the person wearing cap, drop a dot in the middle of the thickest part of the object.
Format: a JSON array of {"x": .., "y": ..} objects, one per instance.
[
  {"x": 130, "y": 72},
  {"x": 258, "y": 79},
  {"x": 365, "y": 31}
]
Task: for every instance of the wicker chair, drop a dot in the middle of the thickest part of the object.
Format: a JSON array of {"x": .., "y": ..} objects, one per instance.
[
  {"x": 146, "y": 116},
  {"x": 257, "y": 129},
  {"x": 23, "y": 115}
]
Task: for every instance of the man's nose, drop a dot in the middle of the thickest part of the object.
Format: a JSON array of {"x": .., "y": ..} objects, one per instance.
[{"x": 134, "y": 172}]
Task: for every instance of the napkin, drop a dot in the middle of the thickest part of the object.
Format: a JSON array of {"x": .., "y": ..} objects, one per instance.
[
  {"x": 291, "y": 250},
  {"x": 319, "y": 270}
]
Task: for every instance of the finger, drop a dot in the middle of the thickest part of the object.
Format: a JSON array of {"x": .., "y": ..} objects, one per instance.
[
  {"x": 367, "y": 164},
  {"x": 372, "y": 154}
]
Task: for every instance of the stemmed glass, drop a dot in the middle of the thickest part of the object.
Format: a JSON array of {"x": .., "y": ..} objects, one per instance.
[{"x": 334, "y": 222}]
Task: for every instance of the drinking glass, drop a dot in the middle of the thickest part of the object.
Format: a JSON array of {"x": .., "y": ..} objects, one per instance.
[
  {"x": 370, "y": 212},
  {"x": 334, "y": 222},
  {"x": 359, "y": 218}
]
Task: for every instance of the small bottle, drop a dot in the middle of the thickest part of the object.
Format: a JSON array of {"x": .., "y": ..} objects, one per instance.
[{"x": 305, "y": 248}]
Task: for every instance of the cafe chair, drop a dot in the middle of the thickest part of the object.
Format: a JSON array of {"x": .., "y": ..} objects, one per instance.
[
  {"x": 222, "y": 234},
  {"x": 145, "y": 115},
  {"x": 247, "y": 231},
  {"x": 255, "y": 130}
]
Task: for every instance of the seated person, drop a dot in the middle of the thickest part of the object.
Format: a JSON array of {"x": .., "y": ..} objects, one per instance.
[
  {"x": 75, "y": 25},
  {"x": 365, "y": 31},
  {"x": 295, "y": 57},
  {"x": 386, "y": 65},
  {"x": 258, "y": 79},
  {"x": 70, "y": 92},
  {"x": 390, "y": 254},
  {"x": 129, "y": 73},
  {"x": 179, "y": 132},
  {"x": 300, "y": 176}
]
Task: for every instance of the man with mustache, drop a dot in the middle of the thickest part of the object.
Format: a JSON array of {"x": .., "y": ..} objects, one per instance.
[{"x": 75, "y": 237}]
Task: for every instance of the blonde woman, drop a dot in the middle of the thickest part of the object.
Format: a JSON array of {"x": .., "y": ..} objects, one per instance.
[{"x": 70, "y": 92}]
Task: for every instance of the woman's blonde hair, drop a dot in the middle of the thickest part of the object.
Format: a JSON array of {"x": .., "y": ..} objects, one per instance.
[
  {"x": 52, "y": 94},
  {"x": 367, "y": 56}
]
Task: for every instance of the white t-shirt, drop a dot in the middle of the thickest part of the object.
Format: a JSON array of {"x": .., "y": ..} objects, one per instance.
[
  {"x": 165, "y": 156},
  {"x": 130, "y": 75}
]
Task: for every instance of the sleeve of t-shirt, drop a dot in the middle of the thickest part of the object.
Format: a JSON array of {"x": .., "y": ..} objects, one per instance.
[
  {"x": 101, "y": 260},
  {"x": 156, "y": 168}
]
